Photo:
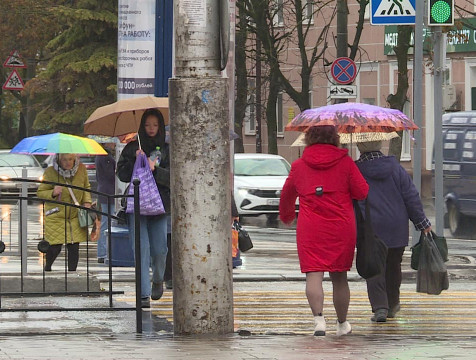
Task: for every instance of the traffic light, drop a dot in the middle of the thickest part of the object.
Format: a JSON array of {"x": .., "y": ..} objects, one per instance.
[{"x": 440, "y": 12}]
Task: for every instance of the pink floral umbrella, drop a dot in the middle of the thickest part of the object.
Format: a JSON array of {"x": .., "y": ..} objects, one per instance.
[{"x": 353, "y": 118}]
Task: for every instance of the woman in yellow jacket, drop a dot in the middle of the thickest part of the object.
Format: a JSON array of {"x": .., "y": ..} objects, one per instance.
[{"x": 66, "y": 169}]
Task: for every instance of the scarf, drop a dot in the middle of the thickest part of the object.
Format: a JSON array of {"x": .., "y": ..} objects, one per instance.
[{"x": 67, "y": 174}]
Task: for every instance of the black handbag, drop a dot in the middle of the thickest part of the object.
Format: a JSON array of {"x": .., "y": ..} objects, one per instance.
[
  {"x": 440, "y": 242},
  {"x": 244, "y": 240},
  {"x": 371, "y": 250}
]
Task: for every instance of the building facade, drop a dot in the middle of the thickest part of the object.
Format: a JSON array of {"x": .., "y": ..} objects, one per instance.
[{"x": 377, "y": 79}]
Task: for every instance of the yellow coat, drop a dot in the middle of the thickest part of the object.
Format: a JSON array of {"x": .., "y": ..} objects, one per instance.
[{"x": 55, "y": 223}]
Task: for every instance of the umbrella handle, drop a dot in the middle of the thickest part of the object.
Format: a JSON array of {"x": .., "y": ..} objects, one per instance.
[{"x": 138, "y": 139}]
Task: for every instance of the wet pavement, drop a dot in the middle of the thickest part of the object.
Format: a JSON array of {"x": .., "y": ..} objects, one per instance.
[
  {"x": 272, "y": 310},
  {"x": 129, "y": 347}
]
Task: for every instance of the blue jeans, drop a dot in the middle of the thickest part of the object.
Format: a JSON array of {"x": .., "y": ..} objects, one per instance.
[
  {"x": 153, "y": 248},
  {"x": 102, "y": 242}
]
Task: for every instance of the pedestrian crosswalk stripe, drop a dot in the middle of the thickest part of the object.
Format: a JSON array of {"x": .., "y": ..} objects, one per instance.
[{"x": 286, "y": 312}]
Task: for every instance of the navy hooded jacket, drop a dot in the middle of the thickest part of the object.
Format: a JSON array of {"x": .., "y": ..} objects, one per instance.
[{"x": 393, "y": 199}]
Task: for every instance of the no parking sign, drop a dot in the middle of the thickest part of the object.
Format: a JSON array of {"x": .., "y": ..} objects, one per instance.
[{"x": 343, "y": 70}]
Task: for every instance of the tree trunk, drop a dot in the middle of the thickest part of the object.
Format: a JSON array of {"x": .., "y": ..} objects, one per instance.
[
  {"x": 241, "y": 80},
  {"x": 271, "y": 118},
  {"x": 398, "y": 100}
]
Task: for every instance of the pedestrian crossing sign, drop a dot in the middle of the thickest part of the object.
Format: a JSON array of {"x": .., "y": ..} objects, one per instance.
[{"x": 392, "y": 12}]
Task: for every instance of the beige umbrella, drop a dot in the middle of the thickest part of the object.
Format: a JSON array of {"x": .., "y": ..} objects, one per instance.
[
  {"x": 123, "y": 116},
  {"x": 354, "y": 138}
]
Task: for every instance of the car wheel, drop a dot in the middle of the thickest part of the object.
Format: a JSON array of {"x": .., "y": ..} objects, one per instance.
[{"x": 456, "y": 221}]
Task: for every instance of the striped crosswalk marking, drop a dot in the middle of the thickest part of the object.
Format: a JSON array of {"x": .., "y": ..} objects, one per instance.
[{"x": 285, "y": 312}]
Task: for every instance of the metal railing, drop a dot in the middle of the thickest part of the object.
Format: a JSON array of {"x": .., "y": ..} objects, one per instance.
[{"x": 22, "y": 251}]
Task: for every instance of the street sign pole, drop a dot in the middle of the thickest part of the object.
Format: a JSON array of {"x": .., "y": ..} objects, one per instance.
[
  {"x": 417, "y": 101},
  {"x": 438, "y": 114}
]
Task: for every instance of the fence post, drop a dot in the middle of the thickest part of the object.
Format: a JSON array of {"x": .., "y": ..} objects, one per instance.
[
  {"x": 24, "y": 225},
  {"x": 136, "y": 183}
]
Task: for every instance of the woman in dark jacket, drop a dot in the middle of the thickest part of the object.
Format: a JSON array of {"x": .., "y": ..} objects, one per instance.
[
  {"x": 153, "y": 229},
  {"x": 393, "y": 199}
]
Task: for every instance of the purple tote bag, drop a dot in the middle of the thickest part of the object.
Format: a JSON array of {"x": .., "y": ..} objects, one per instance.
[{"x": 149, "y": 197}]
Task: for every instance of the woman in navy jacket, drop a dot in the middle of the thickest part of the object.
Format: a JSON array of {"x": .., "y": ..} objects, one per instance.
[{"x": 393, "y": 200}]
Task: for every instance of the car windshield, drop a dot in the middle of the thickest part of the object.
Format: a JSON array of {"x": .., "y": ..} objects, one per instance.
[
  {"x": 13, "y": 160},
  {"x": 261, "y": 167}
]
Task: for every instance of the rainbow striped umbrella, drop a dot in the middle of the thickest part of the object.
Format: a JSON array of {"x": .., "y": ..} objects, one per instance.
[{"x": 58, "y": 143}]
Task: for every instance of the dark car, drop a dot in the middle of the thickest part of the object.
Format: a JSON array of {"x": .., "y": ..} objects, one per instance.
[{"x": 459, "y": 171}]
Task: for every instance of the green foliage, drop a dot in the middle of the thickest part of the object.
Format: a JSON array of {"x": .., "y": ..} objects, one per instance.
[{"x": 81, "y": 72}]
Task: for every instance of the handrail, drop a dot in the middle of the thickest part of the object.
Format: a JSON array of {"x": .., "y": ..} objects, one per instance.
[{"x": 66, "y": 185}]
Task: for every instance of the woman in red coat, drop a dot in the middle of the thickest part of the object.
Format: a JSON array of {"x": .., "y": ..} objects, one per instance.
[{"x": 326, "y": 181}]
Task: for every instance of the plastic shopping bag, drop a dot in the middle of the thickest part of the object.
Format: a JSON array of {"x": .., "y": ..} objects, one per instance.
[
  {"x": 432, "y": 276},
  {"x": 150, "y": 201},
  {"x": 440, "y": 242}
]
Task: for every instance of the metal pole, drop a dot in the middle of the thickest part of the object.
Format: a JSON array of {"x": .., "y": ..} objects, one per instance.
[
  {"x": 24, "y": 224},
  {"x": 136, "y": 183},
  {"x": 200, "y": 176},
  {"x": 342, "y": 41},
  {"x": 438, "y": 113},
  {"x": 109, "y": 245},
  {"x": 418, "y": 101}
]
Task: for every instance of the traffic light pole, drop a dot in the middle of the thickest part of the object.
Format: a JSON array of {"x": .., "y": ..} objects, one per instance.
[
  {"x": 438, "y": 114},
  {"x": 418, "y": 100}
]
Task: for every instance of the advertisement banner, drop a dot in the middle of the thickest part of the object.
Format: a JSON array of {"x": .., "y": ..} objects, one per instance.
[{"x": 136, "y": 48}]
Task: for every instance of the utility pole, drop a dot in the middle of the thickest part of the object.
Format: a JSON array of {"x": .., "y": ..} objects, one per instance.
[
  {"x": 418, "y": 100},
  {"x": 438, "y": 115},
  {"x": 342, "y": 41},
  {"x": 259, "y": 143},
  {"x": 200, "y": 175},
  {"x": 30, "y": 114}
]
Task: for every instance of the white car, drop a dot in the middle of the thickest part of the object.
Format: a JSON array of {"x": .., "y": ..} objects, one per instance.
[
  {"x": 11, "y": 166},
  {"x": 258, "y": 182}
]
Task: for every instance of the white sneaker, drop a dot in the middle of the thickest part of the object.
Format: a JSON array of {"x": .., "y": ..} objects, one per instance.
[
  {"x": 320, "y": 329},
  {"x": 343, "y": 329}
]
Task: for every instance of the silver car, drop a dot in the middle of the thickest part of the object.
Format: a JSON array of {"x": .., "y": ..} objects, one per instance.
[{"x": 11, "y": 166}]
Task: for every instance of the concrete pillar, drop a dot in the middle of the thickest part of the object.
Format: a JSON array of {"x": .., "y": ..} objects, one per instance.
[
  {"x": 200, "y": 174},
  {"x": 201, "y": 219}
]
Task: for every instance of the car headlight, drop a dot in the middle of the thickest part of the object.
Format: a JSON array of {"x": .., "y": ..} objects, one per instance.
[
  {"x": 41, "y": 178},
  {"x": 242, "y": 191},
  {"x": 4, "y": 177}
]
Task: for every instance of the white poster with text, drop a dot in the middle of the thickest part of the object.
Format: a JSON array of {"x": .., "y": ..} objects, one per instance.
[{"x": 136, "y": 48}]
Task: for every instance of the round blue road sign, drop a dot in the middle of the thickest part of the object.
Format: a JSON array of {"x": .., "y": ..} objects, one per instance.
[{"x": 343, "y": 70}]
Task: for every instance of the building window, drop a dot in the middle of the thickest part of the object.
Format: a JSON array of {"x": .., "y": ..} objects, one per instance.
[
  {"x": 369, "y": 101},
  {"x": 406, "y": 154},
  {"x": 309, "y": 12},
  {"x": 279, "y": 115},
  {"x": 250, "y": 112},
  {"x": 367, "y": 12},
  {"x": 279, "y": 13}
]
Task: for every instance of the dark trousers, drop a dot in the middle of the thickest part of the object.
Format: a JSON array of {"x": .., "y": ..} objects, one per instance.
[
  {"x": 73, "y": 255},
  {"x": 384, "y": 290},
  {"x": 168, "y": 262}
]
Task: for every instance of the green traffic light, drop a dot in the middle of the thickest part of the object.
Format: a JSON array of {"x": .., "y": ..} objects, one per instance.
[{"x": 441, "y": 11}]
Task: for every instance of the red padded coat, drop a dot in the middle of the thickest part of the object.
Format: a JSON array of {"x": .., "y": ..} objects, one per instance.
[{"x": 326, "y": 181}]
